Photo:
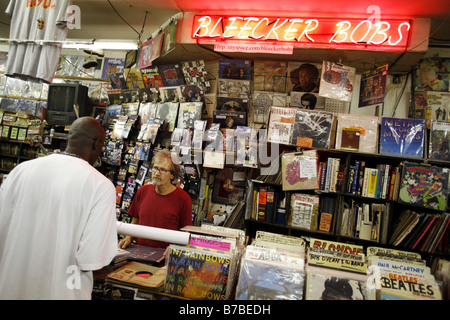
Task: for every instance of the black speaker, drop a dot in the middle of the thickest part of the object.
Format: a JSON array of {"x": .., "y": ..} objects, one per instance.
[{"x": 66, "y": 101}]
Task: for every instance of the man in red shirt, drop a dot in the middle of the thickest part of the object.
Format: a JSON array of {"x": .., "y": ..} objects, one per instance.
[{"x": 160, "y": 204}]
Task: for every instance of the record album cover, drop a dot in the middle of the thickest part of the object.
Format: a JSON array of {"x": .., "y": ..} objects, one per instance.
[
  {"x": 312, "y": 129},
  {"x": 197, "y": 274},
  {"x": 373, "y": 86},
  {"x": 270, "y": 76},
  {"x": 439, "y": 144},
  {"x": 425, "y": 186},
  {"x": 402, "y": 137},
  {"x": 337, "y": 81}
]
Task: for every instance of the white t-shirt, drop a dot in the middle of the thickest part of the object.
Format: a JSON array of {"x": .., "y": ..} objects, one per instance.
[
  {"x": 57, "y": 224},
  {"x": 35, "y": 61}
]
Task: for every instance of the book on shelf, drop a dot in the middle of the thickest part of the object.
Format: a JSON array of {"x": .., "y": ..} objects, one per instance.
[
  {"x": 331, "y": 175},
  {"x": 402, "y": 137},
  {"x": 262, "y": 201},
  {"x": 362, "y": 220},
  {"x": 312, "y": 129},
  {"x": 270, "y": 274},
  {"x": 299, "y": 170},
  {"x": 304, "y": 211},
  {"x": 326, "y": 212},
  {"x": 379, "y": 182},
  {"x": 270, "y": 204},
  {"x": 426, "y": 233},
  {"x": 368, "y": 126},
  {"x": 403, "y": 226},
  {"x": 439, "y": 143},
  {"x": 197, "y": 273},
  {"x": 330, "y": 284},
  {"x": 424, "y": 186}
]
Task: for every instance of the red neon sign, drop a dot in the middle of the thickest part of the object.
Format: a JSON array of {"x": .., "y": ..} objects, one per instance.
[{"x": 363, "y": 33}]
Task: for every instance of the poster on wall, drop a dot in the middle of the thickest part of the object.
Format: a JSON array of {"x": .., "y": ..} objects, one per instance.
[{"x": 373, "y": 86}]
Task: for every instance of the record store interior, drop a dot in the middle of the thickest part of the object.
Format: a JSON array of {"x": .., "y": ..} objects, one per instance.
[{"x": 250, "y": 151}]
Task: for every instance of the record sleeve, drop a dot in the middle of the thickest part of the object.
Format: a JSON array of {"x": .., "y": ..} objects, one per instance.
[
  {"x": 195, "y": 73},
  {"x": 171, "y": 75},
  {"x": 304, "y": 211},
  {"x": 188, "y": 113},
  {"x": 281, "y": 119},
  {"x": 373, "y": 86},
  {"x": 234, "y": 69},
  {"x": 232, "y": 104},
  {"x": 197, "y": 274},
  {"x": 299, "y": 170},
  {"x": 138, "y": 274},
  {"x": 263, "y": 100},
  {"x": 424, "y": 186},
  {"x": 439, "y": 145},
  {"x": 402, "y": 137},
  {"x": 328, "y": 284},
  {"x": 337, "y": 81},
  {"x": 270, "y": 76},
  {"x": 230, "y": 119},
  {"x": 168, "y": 112},
  {"x": 267, "y": 274},
  {"x": 303, "y": 77},
  {"x": 312, "y": 129},
  {"x": 368, "y": 125}
]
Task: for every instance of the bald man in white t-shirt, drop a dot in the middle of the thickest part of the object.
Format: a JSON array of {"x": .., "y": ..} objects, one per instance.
[{"x": 58, "y": 221}]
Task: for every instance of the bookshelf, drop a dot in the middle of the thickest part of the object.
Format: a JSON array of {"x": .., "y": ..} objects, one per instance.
[
  {"x": 359, "y": 217},
  {"x": 14, "y": 152}
]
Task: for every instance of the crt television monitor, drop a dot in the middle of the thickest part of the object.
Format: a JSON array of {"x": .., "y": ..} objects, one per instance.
[{"x": 61, "y": 101}]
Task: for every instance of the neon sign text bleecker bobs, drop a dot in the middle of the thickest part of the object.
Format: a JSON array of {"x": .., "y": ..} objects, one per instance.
[{"x": 355, "y": 32}]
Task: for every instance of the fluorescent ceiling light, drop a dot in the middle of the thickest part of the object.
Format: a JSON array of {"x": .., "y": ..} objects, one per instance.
[{"x": 101, "y": 44}]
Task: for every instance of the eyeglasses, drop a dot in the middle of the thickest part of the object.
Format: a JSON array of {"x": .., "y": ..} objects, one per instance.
[{"x": 160, "y": 170}]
